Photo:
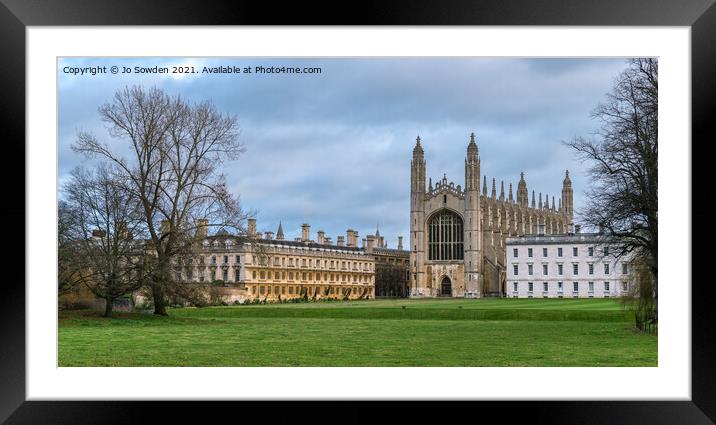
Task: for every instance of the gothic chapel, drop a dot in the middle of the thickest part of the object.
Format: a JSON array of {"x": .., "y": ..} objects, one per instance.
[{"x": 457, "y": 235}]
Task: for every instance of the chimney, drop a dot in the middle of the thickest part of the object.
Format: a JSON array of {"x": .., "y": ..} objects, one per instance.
[
  {"x": 341, "y": 241},
  {"x": 321, "y": 237},
  {"x": 165, "y": 227},
  {"x": 371, "y": 243},
  {"x": 363, "y": 243},
  {"x": 297, "y": 239},
  {"x": 328, "y": 241},
  {"x": 202, "y": 228},
  {"x": 269, "y": 235},
  {"x": 352, "y": 237},
  {"x": 305, "y": 232},
  {"x": 577, "y": 228},
  {"x": 400, "y": 243},
  {"x": 252, "y": 227},
  {"x": 570, "y": 229},
  {"x": 259, "y": 235}
]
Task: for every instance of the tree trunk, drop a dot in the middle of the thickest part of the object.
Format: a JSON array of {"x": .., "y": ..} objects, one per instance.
[
  {"x": 108, "y": 307},
  {"x": 158, "y": 296},
  {"x": 158, "y": 284}
]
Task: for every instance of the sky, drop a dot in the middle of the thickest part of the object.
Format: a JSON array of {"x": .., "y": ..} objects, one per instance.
[{"x": 333, "y": 149}]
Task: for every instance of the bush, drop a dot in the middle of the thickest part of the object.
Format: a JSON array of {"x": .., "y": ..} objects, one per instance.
[
  {"x": 79, "y": 298},
  {"x": 147, "y": 304}
]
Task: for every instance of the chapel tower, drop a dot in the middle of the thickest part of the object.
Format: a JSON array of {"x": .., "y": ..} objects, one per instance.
[
  {"x": 472, "y": 227},
  {"x": 417, "y": 217}
]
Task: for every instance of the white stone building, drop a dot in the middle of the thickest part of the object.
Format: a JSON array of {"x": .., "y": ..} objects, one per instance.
[{"x": 572, "y": 265}]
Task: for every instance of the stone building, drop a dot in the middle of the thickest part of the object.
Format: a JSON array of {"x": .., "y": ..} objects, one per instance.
[
  {"x": 457, "y": 235},
  {"x": 391, "y": 266},
  {"x": 571, "y": 265},
  {"x": 259, "y": 265}
]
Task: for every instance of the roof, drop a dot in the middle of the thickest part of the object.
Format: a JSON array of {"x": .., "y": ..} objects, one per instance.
[
  {"x": 567, "y": 238},
  {"x": 289, "y": 243},
  {"x": 391, "y": 251}
]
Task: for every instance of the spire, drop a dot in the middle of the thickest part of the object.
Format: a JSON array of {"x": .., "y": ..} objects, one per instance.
[
  {"x": 484, "y": 185},
  {"x": 472, "y": 147},
  {"x": 417, "y": 175},
  {"x": 279, "y": 232},
  {"x": 494, "y": 191},
  {"x": 567, "y": 195},
  {"x": 502, "y": 190},
  {"x": 418, "y": 150},
  {"x": 430, "y": 184},
  {"x": 560, "y": 204},
  {"x": 552, "y": 202},
  {"x": 510, "y": 198},
  {"x": 540, "y": 200},
  {"x": 522, "y": 194},
  {"x": 377, "y": 232},
  {"x": 533, "y": 198}
]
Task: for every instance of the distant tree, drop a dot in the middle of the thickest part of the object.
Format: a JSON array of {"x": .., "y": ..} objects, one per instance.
[
  {"x": 172, "y": 164},
  {"x": 622, "y": 198},
  {"x": 99, "y": 219},
  {"x": 68, "y": 276}
]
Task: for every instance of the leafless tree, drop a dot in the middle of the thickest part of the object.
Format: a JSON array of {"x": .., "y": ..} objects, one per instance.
[
  {"x": 622, "y": 198},
  {"x": 175, "y": 152},
  {"x": 99, "y": 221},
  {"x": 68, "y": 276}
]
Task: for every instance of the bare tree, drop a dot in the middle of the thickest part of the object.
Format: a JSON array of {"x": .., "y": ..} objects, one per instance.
[
  {"x": 622, "y": 198},
  {"x": 68, "y": 275},
  {"x": 101, "y": 219},
  {"x": 175, "y": 151}
]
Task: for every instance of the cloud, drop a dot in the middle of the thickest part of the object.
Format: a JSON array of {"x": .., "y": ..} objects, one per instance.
[{"x": 333, "y": 149}]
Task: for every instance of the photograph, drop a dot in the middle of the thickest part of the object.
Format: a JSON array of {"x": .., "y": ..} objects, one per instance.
[
  {"x": 238, "y": 209},
  {"x": 393, "y": 211}
]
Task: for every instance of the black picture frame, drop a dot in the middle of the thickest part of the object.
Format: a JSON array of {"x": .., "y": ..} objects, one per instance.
[{"x": 16, "y": 15}]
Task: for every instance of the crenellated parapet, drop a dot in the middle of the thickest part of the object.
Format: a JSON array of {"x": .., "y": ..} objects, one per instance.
[{"x": 442, "y": 187}]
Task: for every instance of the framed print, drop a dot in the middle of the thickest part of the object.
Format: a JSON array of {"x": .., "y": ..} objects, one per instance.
[{"x": 386, "y": 205}]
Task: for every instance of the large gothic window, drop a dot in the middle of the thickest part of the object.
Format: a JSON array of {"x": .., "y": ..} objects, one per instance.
[{"x": 445, "y": 237}]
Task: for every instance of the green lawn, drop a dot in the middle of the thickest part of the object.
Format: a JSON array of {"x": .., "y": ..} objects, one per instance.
[{"x": 487, "y": 332}]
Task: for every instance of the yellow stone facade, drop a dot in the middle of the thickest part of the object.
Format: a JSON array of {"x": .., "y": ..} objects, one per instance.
[
  {"x": 262, "y": 267},
  {"x": 291, "y": 271}
]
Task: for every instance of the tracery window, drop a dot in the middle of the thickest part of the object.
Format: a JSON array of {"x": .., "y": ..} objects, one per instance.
[{"x": 445, "y": 237}]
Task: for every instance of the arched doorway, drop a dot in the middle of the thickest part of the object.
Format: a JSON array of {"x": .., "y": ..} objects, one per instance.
[{"x": 446, "y": 287}]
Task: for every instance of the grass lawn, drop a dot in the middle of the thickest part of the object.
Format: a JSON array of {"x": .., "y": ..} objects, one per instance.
[{"x": 486, "y": 332}]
